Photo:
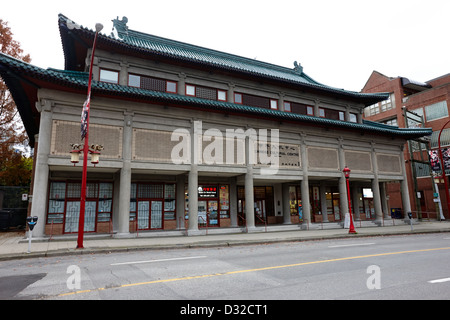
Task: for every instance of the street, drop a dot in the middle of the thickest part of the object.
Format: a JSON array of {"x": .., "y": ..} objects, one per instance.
[{"x": 388, "y": 268}]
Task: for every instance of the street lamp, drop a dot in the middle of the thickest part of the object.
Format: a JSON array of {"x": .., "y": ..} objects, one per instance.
[
  {"x": 85, "y": 136},
  {"x": 347, "y": 176}
]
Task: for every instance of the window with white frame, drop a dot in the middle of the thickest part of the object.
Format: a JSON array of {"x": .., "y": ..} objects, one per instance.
[
  {"x": 206, "y": 92},
  {"x": 287, "y": 106},
  {"x": 109, "y": 76},
  {"x": 153, "y": 84},
  {"x": 273, "y": 104},
  {"x": 353, "y": 117}
]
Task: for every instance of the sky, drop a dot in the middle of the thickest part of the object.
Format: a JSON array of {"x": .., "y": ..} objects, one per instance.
[{"x": 338, "y": 42}]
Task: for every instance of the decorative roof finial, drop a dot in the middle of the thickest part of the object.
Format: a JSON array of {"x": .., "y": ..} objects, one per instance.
[
  {"x": 120, "y": 26},
  {"x": 298, "y": 67}
]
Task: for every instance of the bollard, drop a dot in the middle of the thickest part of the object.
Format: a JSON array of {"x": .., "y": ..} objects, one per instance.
[
  {"x": 410, "y": 219},
  {"x": 31, "y": 221}
]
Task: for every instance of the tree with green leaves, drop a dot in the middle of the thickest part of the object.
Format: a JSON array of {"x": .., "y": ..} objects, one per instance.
[{"x": 15, "y": 167}]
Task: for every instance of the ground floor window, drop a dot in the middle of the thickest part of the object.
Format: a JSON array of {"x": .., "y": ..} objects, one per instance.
[
  {"x": 332, "y": 197},
  {"x": 151, "y": 204},
  {"x": 213, "y": 204},
  {"x": 64, "y": 205},
  {"x": 366, "y": 206}
]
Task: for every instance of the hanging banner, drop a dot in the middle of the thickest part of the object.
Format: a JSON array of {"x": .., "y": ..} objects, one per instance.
[
  {"x": 435, "y": 161},
  {"x": 84, "y": 117}
]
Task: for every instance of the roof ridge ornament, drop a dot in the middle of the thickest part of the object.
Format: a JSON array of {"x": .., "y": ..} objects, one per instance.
[
  {"x": 119, "y": 27},
  {"x": 298, "y": 68},
  {"x": 72, "y": 25}
]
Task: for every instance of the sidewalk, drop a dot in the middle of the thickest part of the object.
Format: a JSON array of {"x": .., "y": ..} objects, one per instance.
[{"x": 15, "y": 245}]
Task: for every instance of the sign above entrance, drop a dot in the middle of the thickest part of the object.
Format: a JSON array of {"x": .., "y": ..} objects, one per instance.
[{"x": 207, "y": 191}]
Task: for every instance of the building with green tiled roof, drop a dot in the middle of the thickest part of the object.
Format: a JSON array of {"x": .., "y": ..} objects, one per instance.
[{"x": 256, "y": 143}]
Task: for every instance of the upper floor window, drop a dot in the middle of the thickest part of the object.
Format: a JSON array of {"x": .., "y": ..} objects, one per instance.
[
  {"x": 436, "y": 111},
  {"x": 273, "y": 104},
  {"x": 391, "y": 122},
  {"x": 382, "y": 106},
  {"x": 353, "y": 117},
  {"x": 331, "y": 114},
  {"x": 298, "y": 108},
  {"x": 238, "y": 98},
  {"x": 287, "y": 106},
  {"x": 153, "y": 84},
  {"x": 206, "y": 92},
  {"x": 109, "y": 76},
  {"x": 255, "y": 101}
]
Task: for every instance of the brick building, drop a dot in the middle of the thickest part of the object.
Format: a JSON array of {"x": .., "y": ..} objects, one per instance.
[{"x": 425, "y": 102}]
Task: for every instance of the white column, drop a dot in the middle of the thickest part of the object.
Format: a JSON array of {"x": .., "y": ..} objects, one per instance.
[
  {"x": 306, "y": 207},
  {"x": 41, "y": 173},
  {"x": 405, "y": 190},
  {"x": 249, "y": 196},
  {"x": 286, "y": 203},
  {"x": 125, "y": 177},
  {"x": 193, "y": 179},
  {"x": 180, "y": 180},
  {"x": 323, "y": 202},
  {"x": 233, "y": 202},
  {"x": 376, "y": 188}
]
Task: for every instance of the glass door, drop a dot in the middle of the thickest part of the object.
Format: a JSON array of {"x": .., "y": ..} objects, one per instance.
[
  {"x": 143, "y": 215},
  {"x": 202, "y": 213},
  {"x": 260, "y": 211},
  {"x": 156, "y": 215},
  {"x": 149, "y": 214},
  {"x": 73, "y": 215},
  {"x": 213, "y": 218}
]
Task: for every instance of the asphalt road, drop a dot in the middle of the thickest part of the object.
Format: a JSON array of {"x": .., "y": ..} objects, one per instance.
[{"x": 386, "y": 268}]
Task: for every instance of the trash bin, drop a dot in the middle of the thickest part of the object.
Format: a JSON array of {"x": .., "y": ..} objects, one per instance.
[
  {"x": 5, "y": 219},
  {"x": 18, "y": 218},
  {"x": 396, "y": 213}
]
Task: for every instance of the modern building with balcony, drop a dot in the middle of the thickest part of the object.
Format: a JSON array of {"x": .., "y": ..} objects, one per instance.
[{"x": 415, "y": 104}]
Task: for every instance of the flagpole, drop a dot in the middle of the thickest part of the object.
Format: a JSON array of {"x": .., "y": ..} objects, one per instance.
[{"x": 85, "y": 132}]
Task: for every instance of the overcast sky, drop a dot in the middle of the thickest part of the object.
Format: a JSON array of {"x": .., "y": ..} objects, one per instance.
[{"x": 338, "y": 42}]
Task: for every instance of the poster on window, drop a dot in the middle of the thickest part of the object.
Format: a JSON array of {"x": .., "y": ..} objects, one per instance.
[{"x": 435, "y": 161}]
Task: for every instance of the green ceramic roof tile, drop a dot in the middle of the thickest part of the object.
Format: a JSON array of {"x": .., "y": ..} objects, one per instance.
[
  {"x": 11, "y": 66},
  {"x": 136, "y": 40}
]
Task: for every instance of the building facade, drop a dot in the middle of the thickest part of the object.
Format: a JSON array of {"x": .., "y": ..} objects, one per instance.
[
  {"x": 196, "y": 138},
  {"x": 416, "y": 104}
]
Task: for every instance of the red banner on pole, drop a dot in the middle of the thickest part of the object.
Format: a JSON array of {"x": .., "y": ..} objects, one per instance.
[{"x": 84, "y": 117}]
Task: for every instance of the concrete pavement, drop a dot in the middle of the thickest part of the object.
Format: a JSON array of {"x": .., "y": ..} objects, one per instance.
[{"x": 15, "y": 245}]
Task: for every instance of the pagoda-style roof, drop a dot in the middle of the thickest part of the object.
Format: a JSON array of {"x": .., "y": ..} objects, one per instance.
[
  {"x": 24, "y": 79},
  {"x": 76, "y": 39}
]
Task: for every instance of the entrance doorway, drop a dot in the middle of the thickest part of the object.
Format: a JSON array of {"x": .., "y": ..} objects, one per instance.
[
  {"x": 207, "y": 213},
  {"x": 260, "y": 211},
  {"x": 263, "y": 205},
  {"x": 149, "y": 214}
]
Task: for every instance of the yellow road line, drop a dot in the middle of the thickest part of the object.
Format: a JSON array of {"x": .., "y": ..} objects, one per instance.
[{"x": 251, "y": 270}]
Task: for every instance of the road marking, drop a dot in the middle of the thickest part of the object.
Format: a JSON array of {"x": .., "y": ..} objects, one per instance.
[
  {"x": 439, "y": 280},
  {"x": 156, "y": 260},
  {"x": 250, "y": 270},
  {"x": 351, "y": 245}
]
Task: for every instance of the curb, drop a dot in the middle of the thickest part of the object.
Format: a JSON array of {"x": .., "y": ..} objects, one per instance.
[{"x": 206, "y": 244}]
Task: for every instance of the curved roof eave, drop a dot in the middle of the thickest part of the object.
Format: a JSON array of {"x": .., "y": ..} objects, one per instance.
[
  {"x": 142, "y": 43},
  {"x": 79, "y": 81}
]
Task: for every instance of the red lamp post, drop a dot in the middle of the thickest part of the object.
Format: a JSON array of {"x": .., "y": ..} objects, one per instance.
[
  {"x": 347, "y": 176},
  {"x": 85, "y": 136}
]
